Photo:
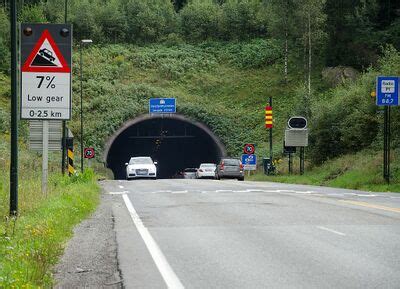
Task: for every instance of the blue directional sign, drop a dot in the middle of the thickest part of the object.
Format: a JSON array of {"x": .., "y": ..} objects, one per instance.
[
  {"x": 162, "y": 105},
  {"x": 249, "y": 162},
  {"x": 387, "y": 91}
]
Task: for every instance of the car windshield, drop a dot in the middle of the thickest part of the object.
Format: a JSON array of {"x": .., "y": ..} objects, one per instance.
[
  {"x": 231, "y": 162},
  {"x": 141, "y": 161},
  {"x": 207, "y": 165}
]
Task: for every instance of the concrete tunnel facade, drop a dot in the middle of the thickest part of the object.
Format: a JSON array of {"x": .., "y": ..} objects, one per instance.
[{"x": 174, "y": 141}]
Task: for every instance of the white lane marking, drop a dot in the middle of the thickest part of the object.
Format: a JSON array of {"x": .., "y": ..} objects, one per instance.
[
  {"x": 179, "y": 192},
  {"x": 335, "y": 194},
  {"x": 365, "y": 195},
  {"x": 330, "y": 230},
  {"x": 121, "y": 187},
  {"x": 118, "y": 193},
  {"x": 169, "y": 276},
  {"x": 158, "y": 192},
  {"x": 223, "y": 191},
  {"x": 305, "y": 192}
]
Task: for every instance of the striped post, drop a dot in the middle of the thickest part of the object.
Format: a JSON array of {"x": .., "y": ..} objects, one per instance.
[
  {"x": 268, "y": 117},
  {"x": 70, "y": 153}
]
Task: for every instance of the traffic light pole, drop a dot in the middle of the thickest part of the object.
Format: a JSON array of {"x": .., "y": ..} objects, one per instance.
[{"x": 14, "y": 113}]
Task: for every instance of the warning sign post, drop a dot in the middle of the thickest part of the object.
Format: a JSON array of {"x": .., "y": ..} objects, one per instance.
[{"x": 46, "y": 71}]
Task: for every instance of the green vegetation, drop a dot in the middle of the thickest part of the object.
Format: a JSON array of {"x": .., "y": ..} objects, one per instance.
[
  {"x": 360, "y": 171},
  {"x": 31, "y": 244}
]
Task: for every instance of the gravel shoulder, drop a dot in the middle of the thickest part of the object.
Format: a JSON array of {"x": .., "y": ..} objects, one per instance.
[{"x": 90, "y": 257}]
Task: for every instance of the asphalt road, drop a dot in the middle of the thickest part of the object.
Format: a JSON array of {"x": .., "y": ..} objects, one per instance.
[{"x": 230, "y": 234}]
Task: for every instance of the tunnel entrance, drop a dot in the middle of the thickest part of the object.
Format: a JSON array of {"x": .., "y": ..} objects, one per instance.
[{"x": 174, "y": 141}]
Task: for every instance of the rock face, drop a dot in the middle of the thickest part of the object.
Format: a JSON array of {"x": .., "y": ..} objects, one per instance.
[{"x": 339, "y": 74}]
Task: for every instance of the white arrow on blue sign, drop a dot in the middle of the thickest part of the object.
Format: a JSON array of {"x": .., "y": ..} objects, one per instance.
[
  {"x": 249, "y": 162},
  {"x": 387, "y": 91}
]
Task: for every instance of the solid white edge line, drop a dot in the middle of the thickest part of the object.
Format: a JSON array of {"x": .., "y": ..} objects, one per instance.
[
  {"x": 169, "y": 276},
  {"x": 330, "y": 230}
]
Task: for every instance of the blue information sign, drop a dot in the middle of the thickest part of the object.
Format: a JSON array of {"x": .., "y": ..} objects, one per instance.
[
  {"x": 249, "y": 162},
  {"x": 162, "y": 105},
  {"x": 387, "y": 91}
]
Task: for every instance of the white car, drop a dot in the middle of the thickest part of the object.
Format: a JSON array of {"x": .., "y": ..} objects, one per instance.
[
  {"x": 206, "y": 171},
  {"x": 141, "y": 167}
]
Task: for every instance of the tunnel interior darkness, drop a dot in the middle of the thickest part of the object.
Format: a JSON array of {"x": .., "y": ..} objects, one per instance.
[{"x": 174, "y": 142}]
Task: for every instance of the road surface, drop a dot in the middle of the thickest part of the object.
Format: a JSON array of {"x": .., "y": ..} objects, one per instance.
[{"x": 230, "y": 234}]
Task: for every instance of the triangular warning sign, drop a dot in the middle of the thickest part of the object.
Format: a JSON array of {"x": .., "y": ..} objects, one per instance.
[{"x": 45, "y": 56}]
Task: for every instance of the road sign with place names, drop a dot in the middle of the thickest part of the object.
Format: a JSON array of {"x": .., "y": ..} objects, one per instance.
[
  {"x": 249, "y": 162},
  {"x": 46, "y": 71},
  {"x": 162, "y": 105},
  {"x": 387, "y": 91}
]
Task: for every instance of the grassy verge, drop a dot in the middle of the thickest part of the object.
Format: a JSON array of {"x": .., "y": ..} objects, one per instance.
[
  {"x": 361, "y": 171},
  {"x": 31, "y": 244}
]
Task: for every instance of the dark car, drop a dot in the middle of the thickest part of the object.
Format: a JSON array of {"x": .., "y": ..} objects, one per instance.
[
  {"x": 47, "y": 53},
  {"x": 230, "y": 168}
]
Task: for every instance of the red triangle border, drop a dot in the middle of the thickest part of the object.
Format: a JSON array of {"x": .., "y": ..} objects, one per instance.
[{"x": 45, "y": 35}]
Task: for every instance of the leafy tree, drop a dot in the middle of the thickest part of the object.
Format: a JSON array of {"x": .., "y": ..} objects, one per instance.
[
  {"x": 149, "y": 20},
  {"x": 241, "y": 19},
  {"x": 4, "y": 41},
  {"x": 32, "y": 14},
  {"x": 200, "y": 20},
  {"x": 83, "y": 19},
  {"x": 111, "y": 18}
]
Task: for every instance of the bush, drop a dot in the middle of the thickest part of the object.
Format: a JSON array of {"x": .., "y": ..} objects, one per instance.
[{"x": 4, "y": 121}]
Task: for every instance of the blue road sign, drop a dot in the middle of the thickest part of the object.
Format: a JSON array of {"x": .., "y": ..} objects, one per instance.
[
  {"x": 387, "y": 91},
  {"x": 162, "y": 105},
  {"x": 249, "y": 162}
]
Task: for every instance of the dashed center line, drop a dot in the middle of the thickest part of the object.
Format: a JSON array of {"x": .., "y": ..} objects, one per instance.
[
  {"x": 121, "y": 187},
  {"x": 179, "y": 192},
  {"x": 331, "y": 230}
]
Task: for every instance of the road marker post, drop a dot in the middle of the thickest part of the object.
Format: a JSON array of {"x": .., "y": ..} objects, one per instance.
[{"x": 70, "y": 154}]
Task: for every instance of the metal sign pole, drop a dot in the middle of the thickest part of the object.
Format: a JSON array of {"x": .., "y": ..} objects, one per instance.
[
  {"x": 388, "y": 149},
  {"x": 385, "y": 144},
  {"x": 45, "y": 156},
  {"x": 14, "y": 113},
  {"x": 290, "y": 163},
  {"x": 301, "y": 160}
]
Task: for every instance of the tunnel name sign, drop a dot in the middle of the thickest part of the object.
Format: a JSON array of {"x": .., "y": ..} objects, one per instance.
[
  {"x": 46, "y": 71},
  {"x": 162, "y": 105}
]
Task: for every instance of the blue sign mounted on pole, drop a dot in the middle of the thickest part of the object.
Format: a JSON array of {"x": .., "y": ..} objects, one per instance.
[
  {"x": 249, "y": 162},
  {"x": 387, "y": 91},
  {"x": 162, "y": 105}
]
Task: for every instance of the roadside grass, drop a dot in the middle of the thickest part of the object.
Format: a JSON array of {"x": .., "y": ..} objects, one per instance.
[
  {"x": 31, "y": 244},
  {"x": 360, "y": 171}
]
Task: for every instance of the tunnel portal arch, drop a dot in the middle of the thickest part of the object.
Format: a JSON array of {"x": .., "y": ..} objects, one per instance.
[{"x": 174, "y": 141}]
